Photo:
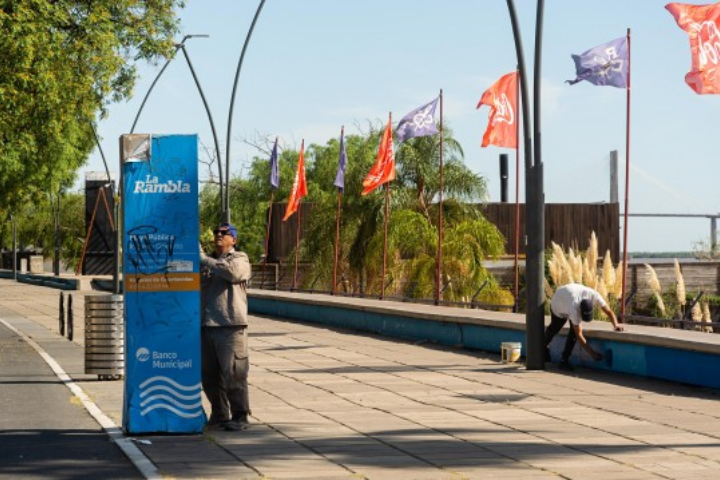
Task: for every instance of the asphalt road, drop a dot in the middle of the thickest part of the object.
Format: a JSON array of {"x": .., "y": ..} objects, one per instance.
[{"x": 44, "y": 431}]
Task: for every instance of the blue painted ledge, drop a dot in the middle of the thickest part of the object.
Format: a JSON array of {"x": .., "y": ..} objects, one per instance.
[
  {"x": 677, "y": 355},
  {"x": 61, "y": 283}
]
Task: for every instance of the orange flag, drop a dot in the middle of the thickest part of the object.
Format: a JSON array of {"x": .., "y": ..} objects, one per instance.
[
  {"x": 502, "y": 100},
  {"x": 701, "y": 23},
  {"x": 299, "y": 188},
  {"x": 384, "y": 169}
]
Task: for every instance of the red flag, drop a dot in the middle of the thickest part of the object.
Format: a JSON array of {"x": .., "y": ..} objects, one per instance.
[
  {"x": 701, "y": 22},
  {"x": 299, "y": 188},
  {"x": 384, "y": 169},
  {"x": 502, "y": 100}
]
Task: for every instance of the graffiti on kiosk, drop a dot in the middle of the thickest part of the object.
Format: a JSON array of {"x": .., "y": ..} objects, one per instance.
[{"x": 150, "y": 251}]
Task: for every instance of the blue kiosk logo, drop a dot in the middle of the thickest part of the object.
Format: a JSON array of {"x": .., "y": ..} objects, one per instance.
[{"x": 142, "y": 354}]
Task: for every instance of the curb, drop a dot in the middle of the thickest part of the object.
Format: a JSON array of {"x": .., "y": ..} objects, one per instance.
[{"x": 143, "y": 464}]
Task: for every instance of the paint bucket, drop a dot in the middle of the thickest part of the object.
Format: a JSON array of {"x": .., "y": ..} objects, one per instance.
[{"x": 510, "y": 352}]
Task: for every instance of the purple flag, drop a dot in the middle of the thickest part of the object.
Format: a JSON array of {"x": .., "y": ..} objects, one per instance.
[
  {"x": 274, "y": 170},
  {"x": 606, "y": 64},
  {"x": 342, "y": 165},
  {"x": 418, "y": 123}
]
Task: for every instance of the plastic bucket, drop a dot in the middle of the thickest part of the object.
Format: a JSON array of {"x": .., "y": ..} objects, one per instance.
[{"x": 510, "y": 352}]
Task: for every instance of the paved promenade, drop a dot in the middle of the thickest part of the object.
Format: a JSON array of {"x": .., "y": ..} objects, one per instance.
[{"x": 333, "y": 404}]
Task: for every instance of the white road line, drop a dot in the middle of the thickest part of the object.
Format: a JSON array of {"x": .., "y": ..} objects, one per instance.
[{"x": 133, "y": 453}]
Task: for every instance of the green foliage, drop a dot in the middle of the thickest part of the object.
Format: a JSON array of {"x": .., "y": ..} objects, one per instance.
[
  {"x": 412, "y": 228},
  {"x": 36, "y": 227},
  {"x": 63, "y": 62}
]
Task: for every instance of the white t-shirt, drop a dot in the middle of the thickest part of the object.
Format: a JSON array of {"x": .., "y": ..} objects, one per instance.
[{"x": 565, "y": 302}]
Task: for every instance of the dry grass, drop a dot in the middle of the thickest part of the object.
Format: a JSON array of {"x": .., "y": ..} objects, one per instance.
[
  {"x": 681, "y": 296},
  {"x": 707, "y": 317},
  {"x": 575, "y": 262},
  {"x": 617, "y": 288},
  {"x": 608, "y": 273},
  {"x": 592, "y": 254},
  {"x": 603, "y": 293},
  {"x": 696, "y": 315},
  {"x": 548, "y": 289},
  {"x": 652, "y": 280},
  {"x": 660, "y": 303}
]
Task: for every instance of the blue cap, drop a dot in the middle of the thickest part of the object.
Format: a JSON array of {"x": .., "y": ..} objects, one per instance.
[{"x": 231, "y": 228}]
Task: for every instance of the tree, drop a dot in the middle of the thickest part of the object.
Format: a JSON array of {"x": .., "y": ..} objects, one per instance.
[
  {"x": 413, "y": 229},
  {"x": 418, "y": 162},
  {"x": 36, "y": 227},
  {"x": 63, "y": 62},
  {"x": 412, "y": 235}
]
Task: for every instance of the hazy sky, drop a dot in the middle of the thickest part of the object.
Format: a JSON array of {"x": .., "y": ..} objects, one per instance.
[{"x": 314, "y": 65}]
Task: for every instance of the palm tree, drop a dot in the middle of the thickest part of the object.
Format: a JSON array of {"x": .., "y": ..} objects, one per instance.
[
  {"x": 418, "y": 161},
  {"x": 412, "y": 235}
]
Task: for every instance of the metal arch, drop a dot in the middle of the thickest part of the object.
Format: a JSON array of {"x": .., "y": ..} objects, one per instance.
[{"x": 226, "y": 208}]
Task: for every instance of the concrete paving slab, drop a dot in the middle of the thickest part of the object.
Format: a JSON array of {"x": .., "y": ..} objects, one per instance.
[{"x": 331, "y": 403}]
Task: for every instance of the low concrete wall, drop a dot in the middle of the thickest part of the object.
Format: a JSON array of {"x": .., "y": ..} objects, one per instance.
[{"x": 676, "y": 355}]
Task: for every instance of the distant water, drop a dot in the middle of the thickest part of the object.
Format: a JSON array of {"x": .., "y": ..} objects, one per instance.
[
  {"x": 645, "y": 258},
  {"x": 652, "y": 260}
]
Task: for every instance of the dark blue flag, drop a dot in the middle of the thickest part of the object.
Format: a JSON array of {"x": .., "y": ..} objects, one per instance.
[
  {"x": 274, "y": 170},
  {"x": 342, "y": 165},
  {"x": 606, "y": 64},
  {"x": 418, "y": 123}
]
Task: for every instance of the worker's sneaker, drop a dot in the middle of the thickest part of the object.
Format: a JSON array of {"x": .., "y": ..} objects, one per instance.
[
  {"x": 238, "y": 423},
  {"x": 216, "y": 423},
  {"x": 565, "y": 365}
]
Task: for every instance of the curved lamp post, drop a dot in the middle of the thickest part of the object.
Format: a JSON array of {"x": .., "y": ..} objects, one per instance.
[
  {"x": 226, "y": 209},
  {"x": 210, "y": 118},
  {"x": 181, "y": 46},
  {"x": 534, "y": 195},
  {"x": 116, "y": 232}
]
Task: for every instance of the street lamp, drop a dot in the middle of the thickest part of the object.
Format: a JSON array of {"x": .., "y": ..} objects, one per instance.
[
  {"x": 116, "y": 228},
  {"x": 534, "y": 196},
  {"x": 55, "y": 207},
  {"x": 179, "y": 46},
  {"x": 226, "y": 208},
  {"x": 14, "y": 246}
]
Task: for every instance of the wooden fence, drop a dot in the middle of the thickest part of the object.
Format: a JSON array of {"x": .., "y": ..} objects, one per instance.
[{"x": 567, "y": 224}]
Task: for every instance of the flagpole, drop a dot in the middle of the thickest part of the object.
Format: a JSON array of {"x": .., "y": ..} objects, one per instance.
[
  {"x": 440, "y": 213},
  {"x": 297, "y": 230},
  {"x": 267, "y": 236},
  {"x": 297, "y": 246},
  {"x": 387, "y": 213},
  {"x": 627, "y": 185},
  {"x": 337, "y": 226},
  {"x": 517, "y": 195}
]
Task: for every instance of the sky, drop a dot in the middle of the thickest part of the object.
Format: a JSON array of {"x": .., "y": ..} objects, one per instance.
[{"x": 313, "y": 66}]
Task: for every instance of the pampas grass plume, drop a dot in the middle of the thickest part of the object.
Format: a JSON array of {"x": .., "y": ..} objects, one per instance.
[
  {"x": 608, "y": 275},
  {"x": 617, "y": 289},
  {"x": 681, "y": 296},
  {"x": 707, "y": 317},
  {"x": 660, "y": 303},
  {"x": 652, "y": 280},
  {"x": 548, "y": 289},
  {"x": 603, "y": 293},
  {"x": 592, "y": 253}
]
